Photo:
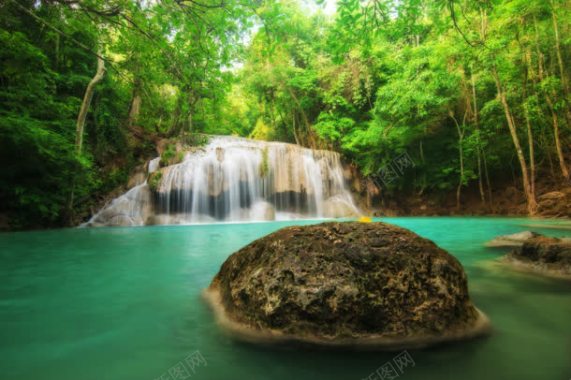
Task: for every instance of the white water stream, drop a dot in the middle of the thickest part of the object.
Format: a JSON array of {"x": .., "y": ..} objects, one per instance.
[{"x": 237, "y": 179}]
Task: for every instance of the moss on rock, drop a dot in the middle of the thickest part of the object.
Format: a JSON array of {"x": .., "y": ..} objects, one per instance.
[
  {"x": 368, "y": 284},
  {"x": 155, "y": 180}
]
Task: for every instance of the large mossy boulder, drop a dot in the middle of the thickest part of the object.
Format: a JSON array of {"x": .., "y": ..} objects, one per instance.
[{"x": 345, "y": 284}]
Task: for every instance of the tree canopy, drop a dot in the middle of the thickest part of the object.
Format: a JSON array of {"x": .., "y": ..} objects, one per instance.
[{"x": 472, "y": 91}]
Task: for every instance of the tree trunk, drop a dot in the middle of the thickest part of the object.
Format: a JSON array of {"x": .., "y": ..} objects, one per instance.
[
  {"x": 530, "y": 198},
  {"x": 479, "y": 147},
  {"x": 549, "y": 100},
  {"x": 86, "y": 103},
  {"x": 57, "y": 50},
  {"x": 530, "y": 141},
  {"x": 175, "y": 126},
  {"x": 558, "y": 49},
  {"x": 553, "y": 111},
  {"x": 422, "y": 160},
  {"x": 488, "y": 182},
  {"x": 531, "y": 150},
  {"x": 546, "y": 144},
  {"x": 558, "y": 148},
  {"x": 294, "y": 130},
  {"x": 135, "y": 108},
  {"x": 80, "y": 126},
  {"x": 461, "y": 157},
  {"x": 192, "y": 101},
  {"x": 302, "y": 112},
  {"x": 538, "y": 51}
]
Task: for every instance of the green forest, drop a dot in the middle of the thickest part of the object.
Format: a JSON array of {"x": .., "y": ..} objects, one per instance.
[{"x": 476, "y": 92}]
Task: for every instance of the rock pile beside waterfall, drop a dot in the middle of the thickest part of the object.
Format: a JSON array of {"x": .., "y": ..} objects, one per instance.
[
  {"x": 235, "y": 179},
  {"x": 345, "y": 284}
]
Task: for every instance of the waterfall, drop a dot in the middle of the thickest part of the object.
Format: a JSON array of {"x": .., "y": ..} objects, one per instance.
[{"x": 237, "y": 179}]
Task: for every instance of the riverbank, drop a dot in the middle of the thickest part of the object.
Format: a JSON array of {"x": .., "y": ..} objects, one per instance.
[{"x": 510, "y": 201}]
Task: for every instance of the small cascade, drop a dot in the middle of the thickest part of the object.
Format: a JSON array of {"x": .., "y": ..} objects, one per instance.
[
  {"x": 134, "y": 208},
  {"x": 237, "y": 179}
]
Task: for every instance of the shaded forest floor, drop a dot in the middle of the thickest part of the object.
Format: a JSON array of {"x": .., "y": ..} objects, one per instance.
[{"x": 554, "y": 201}]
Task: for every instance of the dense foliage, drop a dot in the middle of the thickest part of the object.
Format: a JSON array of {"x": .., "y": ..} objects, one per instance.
[
  {"x": 163, "y": 75},
  {"x": 471, "y": 90}
]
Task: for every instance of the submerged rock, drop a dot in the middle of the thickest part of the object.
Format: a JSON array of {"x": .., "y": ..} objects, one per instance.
[
  {"x": 513, "y": 240},
  {"x": 345, "y": 284},
  {"x": 544, "y": 255}
]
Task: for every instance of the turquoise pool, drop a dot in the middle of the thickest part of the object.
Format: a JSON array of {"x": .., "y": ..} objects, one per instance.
[{"x": 124, "y": 303}]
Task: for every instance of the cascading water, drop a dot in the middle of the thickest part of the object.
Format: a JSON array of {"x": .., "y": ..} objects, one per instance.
[{"x": 237, "y": 179}]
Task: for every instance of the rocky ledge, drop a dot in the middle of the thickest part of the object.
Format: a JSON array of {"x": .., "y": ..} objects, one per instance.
[
  {"x": 511, "y": 241},
  {"x": 544, "y": 255},
  {"x": 369, "y": 285}
]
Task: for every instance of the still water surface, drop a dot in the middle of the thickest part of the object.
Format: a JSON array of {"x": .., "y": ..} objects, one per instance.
[{"x": 124, "y": 304}]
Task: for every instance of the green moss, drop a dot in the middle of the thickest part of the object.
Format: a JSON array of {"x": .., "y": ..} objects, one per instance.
[
  {"x": 168, "y": 155},
  {"x": 179, "y": 158},
  {"x": 155, "y": 180},
  {"x": 264, "y": 165},
  {"x": 195, "y": 139},
  {"x": 171, "y": 156}
]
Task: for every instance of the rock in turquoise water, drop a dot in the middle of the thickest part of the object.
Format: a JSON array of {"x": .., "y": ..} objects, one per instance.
[
  {"x": 513, "y": 240},
  {"x": 345, "y": 284},
  {"x": 544, "y": 255}
]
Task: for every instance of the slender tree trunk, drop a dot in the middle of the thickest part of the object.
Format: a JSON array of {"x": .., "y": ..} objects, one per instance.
[
  {"x": 483, "y": 24},
  {"x": 538, "y": 51},
  {"x": 294, "y": 129},
  {"x": 531, "y": 150},
  {"x": 549, "y": 158},
  {"x": 480, "y": 179},
  {"x": 159, "y": 124},
  {"x": 175, "y": 126},
  {"x": 530, "y": 141},
  {"x": 80, "y": 126},
  {"x": 189, "y": 122},
  {"x": 531, "y": 202},
  {"x": 422, "y": 160},
  {"x": 560, "y": 63},
  {"x": 548, "y": 99},
  {"x": 192, "y": 101},
  {"x": 461, "y": 157},
  {"x": 182, "y": 121},
  {"x": 461, "y": 181},
  {"x": 273, "y": 109},
  {"x": 488, "y": 182},
  {"x": 135, "y": 108},
  {"x": 302, "y": 112},
  {"x": 479, "y": 145},
  {"x": 87, "y": 97},
  {"x": 57, "y": 50},
  {"x": 558, "y": 148}
]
